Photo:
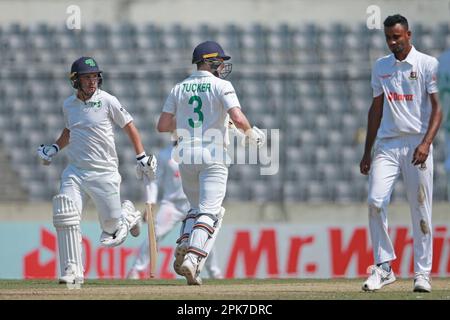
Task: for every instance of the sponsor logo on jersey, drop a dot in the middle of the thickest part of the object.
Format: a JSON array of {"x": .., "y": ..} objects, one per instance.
[
  {"x": 229, "y": 92},
  {"x": 93, "y": 105},
  {"x": 394, "y": 96},
  {"x": 385, "y": 76},
  {"x": 413, "y": 75},
  {"x": 124, "y": 111}
]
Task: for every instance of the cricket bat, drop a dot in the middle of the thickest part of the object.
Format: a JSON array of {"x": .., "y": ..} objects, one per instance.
[{"x": 153, "y": 252}]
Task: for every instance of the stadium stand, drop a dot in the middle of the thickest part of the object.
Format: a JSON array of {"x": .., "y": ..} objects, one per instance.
[{"x": 310, "y": 82}]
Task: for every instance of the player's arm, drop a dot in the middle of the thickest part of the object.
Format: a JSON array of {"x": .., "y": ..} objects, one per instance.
[
  {"x": 423, "y": 149},
  {"x": 166, "y": 122},
  {"x": 239, "y": 119},
  {"x": 146, "y": 163},
  {"x": 134, "y": 136},
  {"x": 255, "y": 135},
  {"x": 63, "y": 139},
  {"x": 373, "y": 123}
]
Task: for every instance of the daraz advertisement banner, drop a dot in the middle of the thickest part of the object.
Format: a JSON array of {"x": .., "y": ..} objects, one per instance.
[{"x": 29, "y": 250}]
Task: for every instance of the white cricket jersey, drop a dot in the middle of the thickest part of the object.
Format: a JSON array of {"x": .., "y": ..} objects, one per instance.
[
  {"x": 406, "y": 86},
  {"x": 91, "y": 145},
  {"x": 444, "y": 94},
  {"x": 168, "y": 178},
  {"x": 200, "y": 103}
]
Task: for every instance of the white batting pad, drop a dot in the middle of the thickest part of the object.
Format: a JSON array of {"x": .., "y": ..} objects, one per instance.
[
  {"x": 66, "y": 220},
  {"x": 210, "y": 242}
]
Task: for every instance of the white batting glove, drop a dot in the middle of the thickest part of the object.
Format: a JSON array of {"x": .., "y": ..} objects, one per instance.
[
  {"x": 146, "y": 165},
  {"x": 255, "y": 136},
  {"x": 46, "y": 152},
  {"x": 174, "y": 135}
]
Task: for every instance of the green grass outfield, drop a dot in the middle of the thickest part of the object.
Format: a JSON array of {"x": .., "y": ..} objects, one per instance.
[{"x": 228, "y": 289}]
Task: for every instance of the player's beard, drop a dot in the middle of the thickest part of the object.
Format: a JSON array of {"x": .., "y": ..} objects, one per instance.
[
  {"x": 399, "y": 48},
  {"x": 88, "y": 91}
]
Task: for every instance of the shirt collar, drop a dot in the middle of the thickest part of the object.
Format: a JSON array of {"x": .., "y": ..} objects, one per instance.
[
  {"x": 411, "y": 58},
  {"x": 202, "y": 73},
  {"x": 94, "y": 96}
]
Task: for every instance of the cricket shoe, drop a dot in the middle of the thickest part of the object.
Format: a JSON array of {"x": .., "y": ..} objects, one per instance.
[
  {"x": 70, "y": 276},
  {"x": 133, "y": 275},
  {"x": 189, "y": 270},
  {"x": 215, "y": 273},
  {"x": 133, "y": 217},
  {"x": 422, "y": 282},
  {"x": 180, "y": 252},
  {"x": 378, "y": 278}
]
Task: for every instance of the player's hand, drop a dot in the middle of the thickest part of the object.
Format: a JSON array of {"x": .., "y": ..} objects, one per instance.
[
  {"x": 255, "y": 137},
  {"x": 46, "y": 152},
  {"x": 146, "y": 164},
  {"x": 421, "y": 154},
  {"x": 364, "y": 165}
]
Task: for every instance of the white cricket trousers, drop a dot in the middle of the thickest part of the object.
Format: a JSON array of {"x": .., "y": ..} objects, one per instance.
[
  {"x": 102, "y": 187},
  {"x": 205, "y": 186},
  {"x": 393, "y": 156}
]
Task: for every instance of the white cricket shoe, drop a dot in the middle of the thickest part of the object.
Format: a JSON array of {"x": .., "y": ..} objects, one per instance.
[
  {"x": 378, "y": 278},
  {"x": 180, "y": 252},
  {"x": 133, "y": 216},
  {"x": 133, "y": 275},
  {"x": 215, "y": 273},
  {"x": 422, "y": 282},
  {"x": 189, "y": 270},
  {"x": 70, "y": 276}
]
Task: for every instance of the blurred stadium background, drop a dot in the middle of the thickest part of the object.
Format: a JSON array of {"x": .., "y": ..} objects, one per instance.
[{"x": 299, "y": 66}]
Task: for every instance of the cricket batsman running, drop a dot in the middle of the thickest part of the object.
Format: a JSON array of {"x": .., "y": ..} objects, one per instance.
[
  {"x": 199, "y": 108},
  {"x": 89, "y": 116}
]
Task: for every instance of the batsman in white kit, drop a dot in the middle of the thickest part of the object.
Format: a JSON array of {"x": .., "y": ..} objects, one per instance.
[
  {"x": 89, "y": 116},
  {"x": 199, "y": 109},
  {"x": 404, "y": 118},
  {"x": 173, "y": 209}
]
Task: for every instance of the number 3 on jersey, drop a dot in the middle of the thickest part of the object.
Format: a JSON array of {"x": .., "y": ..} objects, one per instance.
[{"x": 197, "y": 110}]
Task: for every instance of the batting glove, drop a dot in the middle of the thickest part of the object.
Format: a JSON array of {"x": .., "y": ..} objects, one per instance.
[
  {"x": 255, "y": 137},
  {"x": 46, "y": 152},
  {"x": 146, "y": 165}
]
